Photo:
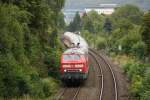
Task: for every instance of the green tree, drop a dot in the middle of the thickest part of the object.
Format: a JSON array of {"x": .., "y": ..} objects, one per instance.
[
  {"x": 93, "y": 22},
  {"x": 130, "y": 12},
  {"x": 25, "y": 34},
  {"x": 146, "y": 32},
  {"x": 108, "y": 25},
  {"x": 75, "y": 25}
]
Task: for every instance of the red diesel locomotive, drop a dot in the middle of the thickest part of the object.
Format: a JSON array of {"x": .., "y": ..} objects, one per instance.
[{"x": 74, "y": 65}]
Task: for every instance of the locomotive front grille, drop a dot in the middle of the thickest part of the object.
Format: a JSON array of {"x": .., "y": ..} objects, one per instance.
[{"x": 73, "y": 70}]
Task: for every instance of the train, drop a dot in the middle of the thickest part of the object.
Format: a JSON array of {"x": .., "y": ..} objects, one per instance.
[{"x": 74, "y": 65}]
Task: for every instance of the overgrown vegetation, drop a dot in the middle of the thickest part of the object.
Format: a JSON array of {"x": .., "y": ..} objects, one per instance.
[
  {"x": 29, "y": 47},
  {"x": 125, "y": 32}
]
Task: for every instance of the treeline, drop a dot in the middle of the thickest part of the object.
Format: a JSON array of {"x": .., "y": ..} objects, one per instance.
[
  {"x": 125, "y": 32},
  {"x": 29, "y": 47}
]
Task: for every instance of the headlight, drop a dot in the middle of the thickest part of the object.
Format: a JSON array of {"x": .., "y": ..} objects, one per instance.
[
  {"x": 80, "y": 70},
  {"x": 66, "y": 66},
  {"x": 79, "y": 66},
  {"x": 65, "y": 70}
]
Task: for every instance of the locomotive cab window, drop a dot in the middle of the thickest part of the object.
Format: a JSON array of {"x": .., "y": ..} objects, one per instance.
[{"x": 72, "y": 57}]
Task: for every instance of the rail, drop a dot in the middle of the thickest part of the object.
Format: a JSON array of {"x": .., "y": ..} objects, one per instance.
[
  {"x": 65, "y": 89},
  {"x": 113, "y": 75},
  {"x": 102, "y": 82}
]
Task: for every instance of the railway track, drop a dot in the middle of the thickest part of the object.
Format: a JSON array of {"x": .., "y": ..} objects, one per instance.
[
  {"x": 100, "y": 74},
  {"x": 108, "y": 82},
  {"x": 68, "y": 91}
]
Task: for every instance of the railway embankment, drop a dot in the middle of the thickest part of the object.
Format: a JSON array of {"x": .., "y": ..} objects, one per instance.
[{"x": 137, "y": 73}]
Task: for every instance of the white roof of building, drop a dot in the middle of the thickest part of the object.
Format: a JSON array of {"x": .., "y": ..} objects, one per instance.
[{"x": 102, "y": 6}]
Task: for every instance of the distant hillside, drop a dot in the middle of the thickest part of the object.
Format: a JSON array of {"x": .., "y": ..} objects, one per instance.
[{"x": 71, "y": 4}]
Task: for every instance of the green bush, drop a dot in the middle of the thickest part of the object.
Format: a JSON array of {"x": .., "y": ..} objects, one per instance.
[
  {"x": 52, "y": 60},
  {"x": 136, "y": 83},
  {"x": 145, "y": 88},
  {"x": 138, "y": 49},
  {"x": 101, "y": 43},
  {"x": 16, "y": 82},
  {"x": 13, "y": 80},
  {"x": 139, "y": 78},
  {"x": 145, "y": 95},
  {"x": 134, "y": 68},
  {"x": 49, "y": 87}
]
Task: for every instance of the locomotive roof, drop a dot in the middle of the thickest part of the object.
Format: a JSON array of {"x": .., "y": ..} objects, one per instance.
[
  {"x": 74, "y": 50},
  {"x": 75, "y": 39}
]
